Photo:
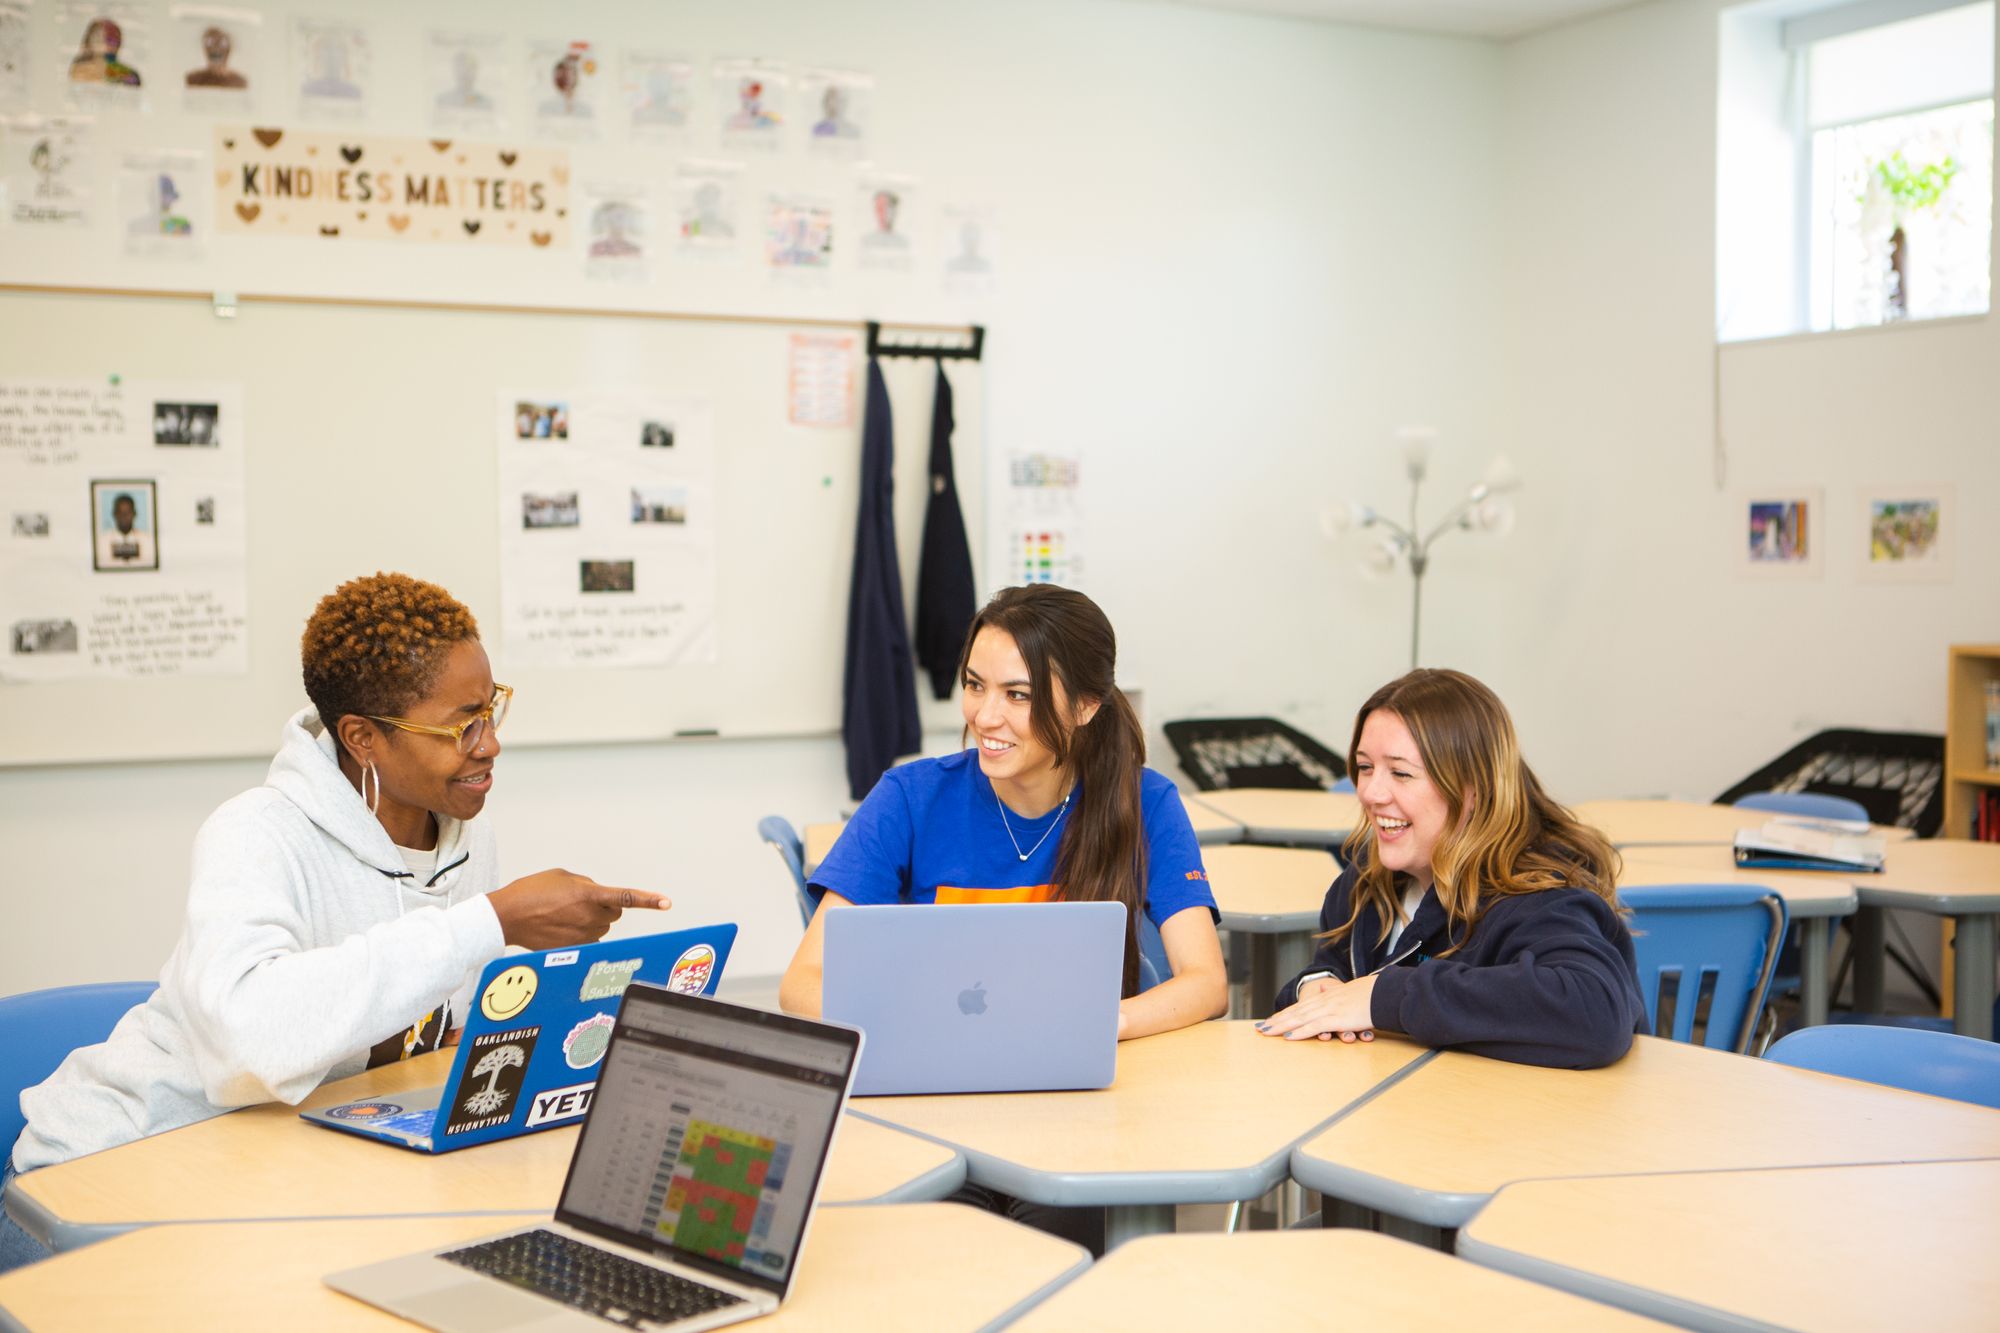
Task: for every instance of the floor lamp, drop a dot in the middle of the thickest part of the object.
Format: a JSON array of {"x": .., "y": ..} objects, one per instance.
[{"x": 1482, "y": 510}]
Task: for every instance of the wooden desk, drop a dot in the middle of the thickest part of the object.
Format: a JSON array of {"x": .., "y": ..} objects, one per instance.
[
  {"x": 1848, "y": 1247},
  {"x": 1434, "y": 1146},
  {"x": 1303, "y": 1280},
  {"x": 1686, "y": 823},
  {"x": 1210, "y": 828},
  {"x": 1812, "y": 899},
  {"x": 1943, "y": 876},
  {"x": 264, "y": 1162},
  {"x": 1205, "y": 1114},
  {"x": 1276, "y": 815},
  {"x": 1273, "y": 895},
  {"x": 916, "y": 1267}
]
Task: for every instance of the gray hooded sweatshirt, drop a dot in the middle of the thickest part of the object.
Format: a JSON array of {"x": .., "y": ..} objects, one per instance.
[{"x": 307, "y": 942}]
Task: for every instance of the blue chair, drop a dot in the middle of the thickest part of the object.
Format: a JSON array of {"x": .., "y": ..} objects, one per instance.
[
  {"x": 1942, "y": 1064},
  {"x": 1713, "y": 943},
  {"x": 778, "y": 831},
  {"x": 40, "y": 1028},
  {"x": 1152, "y": 954},
  {"x": 1811, "y": 804}
]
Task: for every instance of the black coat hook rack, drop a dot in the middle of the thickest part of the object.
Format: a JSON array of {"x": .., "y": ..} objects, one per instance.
[{"x": 936, "y": 351}]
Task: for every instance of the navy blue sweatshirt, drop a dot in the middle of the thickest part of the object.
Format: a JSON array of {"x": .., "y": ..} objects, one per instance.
[{"x": 1543, "y": 978}]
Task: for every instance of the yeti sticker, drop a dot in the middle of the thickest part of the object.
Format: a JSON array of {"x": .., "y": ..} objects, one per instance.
[
  {"x": 490, "y": 1091},
  {"x": 692, "y": 970},
  {"x": 607, "y": 981}
]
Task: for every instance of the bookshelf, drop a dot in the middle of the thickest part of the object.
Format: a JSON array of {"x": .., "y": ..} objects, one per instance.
[{"x": 1966, "y": 775}]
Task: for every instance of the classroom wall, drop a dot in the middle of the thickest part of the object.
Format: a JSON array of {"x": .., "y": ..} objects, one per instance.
[{"x": 1233, "y": 254}]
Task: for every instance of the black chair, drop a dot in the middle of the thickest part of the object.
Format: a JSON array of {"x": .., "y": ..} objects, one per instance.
[
  {"x": 1896, "y": 776},
  {"x": 1226, "y": 752}
]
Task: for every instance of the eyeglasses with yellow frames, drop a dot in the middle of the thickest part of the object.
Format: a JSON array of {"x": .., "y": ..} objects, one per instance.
[{"x": 467, "y": 734}]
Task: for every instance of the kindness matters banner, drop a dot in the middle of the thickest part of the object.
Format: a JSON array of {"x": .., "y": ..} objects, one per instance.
[{"x": 308, "y": 183}]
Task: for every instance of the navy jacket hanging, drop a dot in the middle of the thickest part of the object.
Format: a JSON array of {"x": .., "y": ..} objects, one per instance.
[
  {"x": 878, "y": 716},
  {"x": 944, "y": 573}
]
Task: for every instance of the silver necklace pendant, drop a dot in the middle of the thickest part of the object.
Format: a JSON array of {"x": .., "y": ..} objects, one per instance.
[{"x": 1001, "y": 806}]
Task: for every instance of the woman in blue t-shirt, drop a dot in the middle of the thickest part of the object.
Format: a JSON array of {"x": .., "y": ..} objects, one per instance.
[{"x": 1052, "y": 802}]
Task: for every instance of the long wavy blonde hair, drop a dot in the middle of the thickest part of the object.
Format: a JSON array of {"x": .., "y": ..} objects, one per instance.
[{"x": 1510, "y": 836}]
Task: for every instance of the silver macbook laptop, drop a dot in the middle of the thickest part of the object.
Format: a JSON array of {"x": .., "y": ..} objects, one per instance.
[
  {"x": 688, "y": 1195},
  {"x": 1006, "y": 997}
]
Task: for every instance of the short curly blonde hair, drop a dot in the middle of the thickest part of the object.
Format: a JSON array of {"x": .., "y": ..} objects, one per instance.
[{"x": 375, "y": 645}]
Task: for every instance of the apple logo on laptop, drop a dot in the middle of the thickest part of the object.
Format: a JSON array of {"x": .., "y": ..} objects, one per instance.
[{"x": 972, "y": 1001}]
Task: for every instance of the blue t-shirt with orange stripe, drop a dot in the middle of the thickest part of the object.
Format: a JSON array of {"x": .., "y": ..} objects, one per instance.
[{"x": 931, "y": 832}]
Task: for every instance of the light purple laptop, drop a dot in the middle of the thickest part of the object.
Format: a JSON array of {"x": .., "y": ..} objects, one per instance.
[{"x": 1002, "y": 997}]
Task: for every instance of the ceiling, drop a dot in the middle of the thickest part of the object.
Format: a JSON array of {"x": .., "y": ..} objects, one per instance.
[{"x": 1497, "y": 19}]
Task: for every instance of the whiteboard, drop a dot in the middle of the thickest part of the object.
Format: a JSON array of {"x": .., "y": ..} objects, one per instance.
[{"x": 371, "y": 446}]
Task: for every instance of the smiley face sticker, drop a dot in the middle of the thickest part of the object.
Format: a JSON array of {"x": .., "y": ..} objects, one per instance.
[{"x": 509, "y": 993}]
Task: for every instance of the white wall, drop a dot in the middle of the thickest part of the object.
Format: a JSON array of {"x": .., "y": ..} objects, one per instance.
[{"x": 1235, "y": 253}]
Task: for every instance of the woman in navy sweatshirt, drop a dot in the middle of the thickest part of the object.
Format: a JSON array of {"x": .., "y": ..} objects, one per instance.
[{"x": 1474, "y": 912}]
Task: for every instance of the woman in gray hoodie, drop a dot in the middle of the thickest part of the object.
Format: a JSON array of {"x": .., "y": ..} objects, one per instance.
[{"x": 338, "y": 913}]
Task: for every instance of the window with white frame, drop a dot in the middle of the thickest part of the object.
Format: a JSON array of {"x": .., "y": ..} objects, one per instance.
[{"x": 1884, "y": 210}]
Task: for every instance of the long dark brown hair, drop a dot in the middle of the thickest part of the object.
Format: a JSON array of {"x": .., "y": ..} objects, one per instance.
[
  {"x": 1067, "y": 642},
  {"x": 1509, "y": 835}
]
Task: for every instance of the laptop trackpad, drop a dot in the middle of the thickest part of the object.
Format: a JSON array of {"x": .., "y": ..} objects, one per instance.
[{"x": 478, "y": 1304}]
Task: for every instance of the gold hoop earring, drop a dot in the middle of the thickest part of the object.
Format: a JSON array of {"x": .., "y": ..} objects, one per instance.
[{"x": 373, "y": 803}]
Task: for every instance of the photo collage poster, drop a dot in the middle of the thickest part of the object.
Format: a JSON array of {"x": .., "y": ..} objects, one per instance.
[
  {"x": 607, "y": 528},
  {"x": 124, "y": 550}
]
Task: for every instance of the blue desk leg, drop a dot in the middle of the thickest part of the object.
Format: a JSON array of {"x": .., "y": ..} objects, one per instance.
[
  {"x": 1973, "y": 982},
  {"x": 1813, "y": 999},
  {"x": 1129, "y": 1221}
]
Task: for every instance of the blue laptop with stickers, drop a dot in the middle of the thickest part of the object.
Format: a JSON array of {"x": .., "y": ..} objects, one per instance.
[{"x": 538, "y": 1027}]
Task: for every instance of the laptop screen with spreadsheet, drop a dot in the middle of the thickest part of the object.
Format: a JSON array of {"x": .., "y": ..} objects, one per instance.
[{"x": 708, "y": 1132}]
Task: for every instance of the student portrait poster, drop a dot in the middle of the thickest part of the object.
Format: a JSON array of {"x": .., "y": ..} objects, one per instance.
[
  {"x": 607, "y": 528},
  {"x": 123, "y": 544}
]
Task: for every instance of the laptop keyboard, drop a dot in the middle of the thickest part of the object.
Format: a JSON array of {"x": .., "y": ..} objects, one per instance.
[{"x": 586, "y": 1278}]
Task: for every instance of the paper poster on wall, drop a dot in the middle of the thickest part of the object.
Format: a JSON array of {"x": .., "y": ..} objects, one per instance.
[
  {"x": 1779, "y": 532},
  {"x": 1043, "y": 522},
  {"x": 618, "y": 221},
  {"x": 383, "y": 187},
  {"x": 124, "y": 546},
  {"x": 750, "y": 104},
  {"x": 798, "y": 234},
  {"x": 820, "y": 380},
  {"x": 564, "y": 89},
  {"x": 47, "y": 174},
  {"x": 836, "y": 107},
  {"x": 1909, "y": 533},
  {"x": 659, "y": 96},
  {"x": 13, "y": 56},
  {"x": 468, "y": 77},
  {"x": 967, "y": 242},
  {"x": 107, "y": 49},
  {"x": 887, "y": 205},
  {"x": 708, "y": 208},
  {"x": 219, "y": 57},
  {"x": 607, "y": 528},
  {"x": 160, "y": 203},
  {"x": 333, "y": 63}
]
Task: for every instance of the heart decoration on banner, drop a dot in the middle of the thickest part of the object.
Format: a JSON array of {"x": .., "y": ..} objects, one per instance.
[
  {"x": 249, "y": 212},
  {"x": 269, "y": 138},
  {"x": 398, "y": 221},
  {"x": 540, "y": 237},
  {"x": 471, "y": 226},
  {"x": 350, "y": 153},
  {"x": 442, "y": 145},
  {"x": 507, "y": 157}
]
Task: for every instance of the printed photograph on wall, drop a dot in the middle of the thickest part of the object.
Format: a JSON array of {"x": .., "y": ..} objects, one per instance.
[
  {"x": 1779, "y": 532},
  {"x": 659, "y": 96},
  {"x": 468, "y": 72},
  {"x": 1908, "y": 530},
  {"x": 218, "y": 55},
  {"x": 541, "y": 421},
  {"x": 43, "y": 636},
  {"x": 121, "y": 516},
  {"x": 605, "y": 575},
  {"x": 554, "y": 509},
  {"x": 108, "y": 56},
  {"x": 196, "y": 424}
]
